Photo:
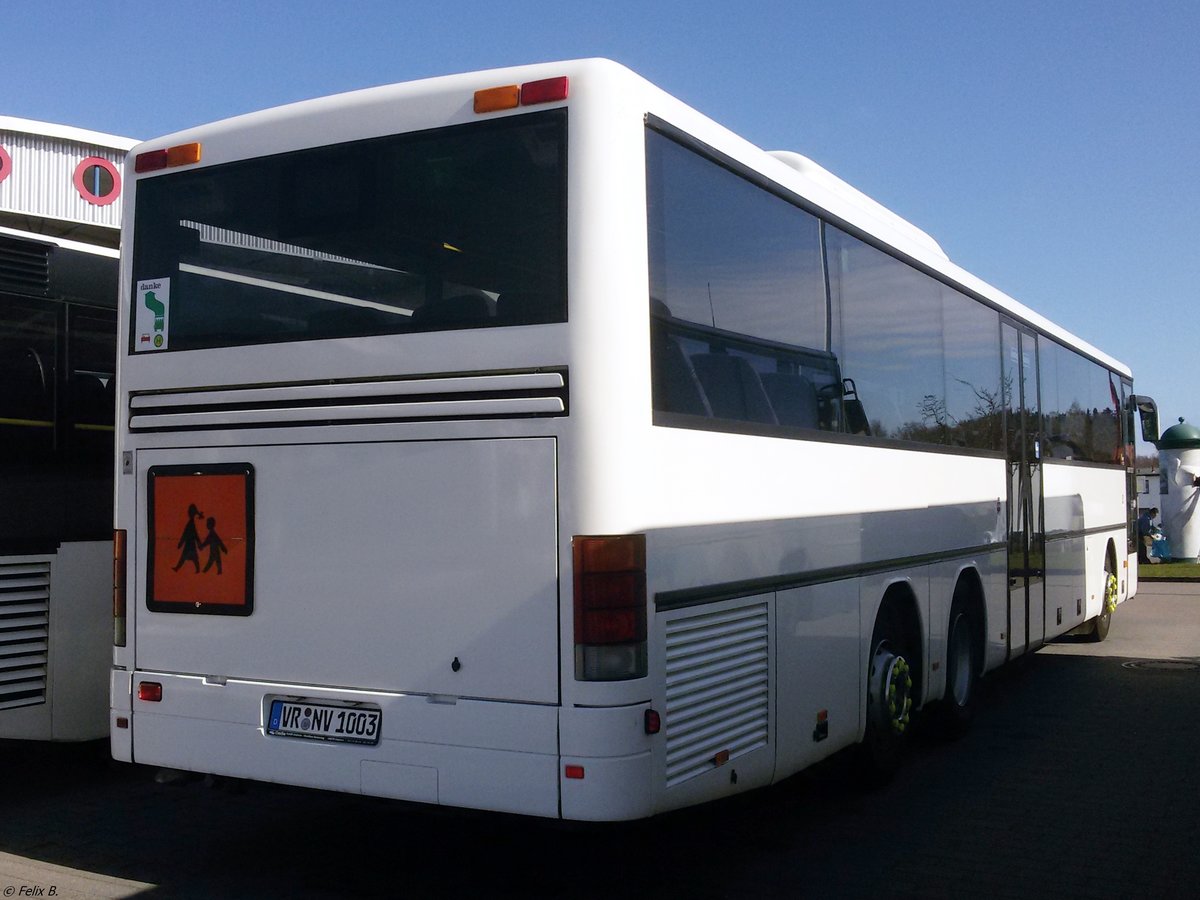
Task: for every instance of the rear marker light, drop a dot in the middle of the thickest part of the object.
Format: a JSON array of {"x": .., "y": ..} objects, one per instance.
[
  {"x": 493, "y": 99},
  {"x": 179, "y": 155},
  {"x": 510, "y": 96},
  {"x": 150, "y": 161},
  {"x": 573, "y": 771},
  {"x": 122, "y": 722},
  {"x": 548, "y": 90},
  {"x": 653, "y": 722},
  {"x": 150, "y": 691}
]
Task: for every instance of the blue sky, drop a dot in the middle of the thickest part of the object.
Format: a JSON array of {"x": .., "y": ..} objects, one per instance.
[{"x": 1051, "y": 148}]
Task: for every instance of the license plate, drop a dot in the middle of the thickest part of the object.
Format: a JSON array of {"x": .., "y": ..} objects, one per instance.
[{"x": 324, "y": 722}]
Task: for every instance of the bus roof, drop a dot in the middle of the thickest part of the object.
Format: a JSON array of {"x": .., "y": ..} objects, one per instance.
[{"x": 444, "y": 100}]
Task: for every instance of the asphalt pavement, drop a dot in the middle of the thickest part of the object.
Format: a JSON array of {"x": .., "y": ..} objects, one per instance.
[{"x": 1078, "y": 780}]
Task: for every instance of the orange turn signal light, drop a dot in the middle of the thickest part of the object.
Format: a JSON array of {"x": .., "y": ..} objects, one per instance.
[{"x": 493, "y": 99}]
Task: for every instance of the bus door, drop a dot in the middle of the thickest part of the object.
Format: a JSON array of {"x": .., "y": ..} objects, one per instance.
[{"x": 1026, "y": 530}]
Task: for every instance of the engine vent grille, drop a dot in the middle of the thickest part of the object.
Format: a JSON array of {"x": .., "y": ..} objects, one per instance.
[
  {"x": 717, "y": 688},
  {"x": 24, "y": 633},
  {"x": 24, "y": 267},
  {"x": 450, "y": 397}
]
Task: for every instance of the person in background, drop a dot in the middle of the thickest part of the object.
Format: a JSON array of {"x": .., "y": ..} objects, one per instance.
[{"x": 1145, "y": 524}]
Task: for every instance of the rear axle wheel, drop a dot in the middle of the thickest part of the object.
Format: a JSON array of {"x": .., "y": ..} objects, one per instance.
[{"x": 889, "y": 696}]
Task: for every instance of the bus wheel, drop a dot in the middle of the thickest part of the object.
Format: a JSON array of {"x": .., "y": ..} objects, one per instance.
[
  {"x": 957, "y": 709},
  {"x": 1103, "y": 622},
  {"x": 889, "y": 696}
]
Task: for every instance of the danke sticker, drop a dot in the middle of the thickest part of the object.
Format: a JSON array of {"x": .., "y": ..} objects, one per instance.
[{"x": 153, "y": 315}]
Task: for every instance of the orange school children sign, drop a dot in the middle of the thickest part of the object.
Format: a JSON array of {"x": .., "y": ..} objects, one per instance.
[{"x": 201, "y": 548}]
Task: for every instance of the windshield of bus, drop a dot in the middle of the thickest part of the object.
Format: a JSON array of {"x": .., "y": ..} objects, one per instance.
[{"x": 458, "y": 227}]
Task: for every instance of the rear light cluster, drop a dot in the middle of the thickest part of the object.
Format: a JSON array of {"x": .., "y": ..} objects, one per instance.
[
  {"x": 531, "y": 93},
  {"x": 610, "y": 607}
]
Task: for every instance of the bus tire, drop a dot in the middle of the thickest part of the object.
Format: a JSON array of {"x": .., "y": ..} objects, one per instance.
[
  {"x": 889, "y": 696},
  {"x": 957, "y": 709},
  {"x": 1103, "y": 622}
]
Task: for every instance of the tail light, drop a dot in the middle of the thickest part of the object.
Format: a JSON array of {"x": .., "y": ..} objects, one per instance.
[
  {"x": 610, "y": 607},
  {"x": 119, "y": 587}
]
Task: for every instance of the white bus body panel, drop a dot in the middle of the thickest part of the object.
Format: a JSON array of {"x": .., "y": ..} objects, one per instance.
[
  {"x": 452, "y": 605},
  {"x": 77, "y": 647},
  {"x": 1088, "y": 503},
  {"x": 381, "y": 564}
]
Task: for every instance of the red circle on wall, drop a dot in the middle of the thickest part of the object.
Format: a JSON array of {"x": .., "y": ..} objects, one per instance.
[
  {"x": 5, "y": 164},
  {"x": 97, "y": 181}
]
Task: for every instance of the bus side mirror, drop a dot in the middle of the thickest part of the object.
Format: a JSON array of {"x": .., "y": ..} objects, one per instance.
[{"x": 1148, "y": 412}]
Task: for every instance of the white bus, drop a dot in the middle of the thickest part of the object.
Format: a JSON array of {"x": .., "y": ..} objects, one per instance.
[
  {"x": 57, "y": 328},
  {"x": 524, "y": 440}
]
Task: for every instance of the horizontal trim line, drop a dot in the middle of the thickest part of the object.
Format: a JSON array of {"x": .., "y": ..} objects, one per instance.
[
  {"x": 730, "y": 590},
  {"x": 1082, "y": 463},
  {"x": 1085, "y": 532},
  {"x": 530, "y": 381},
  {"x": 235, "y": 418}
]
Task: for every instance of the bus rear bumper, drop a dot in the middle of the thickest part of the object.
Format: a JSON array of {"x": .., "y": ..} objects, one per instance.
[
  {"x": 607, "y": 766},
  {"x": 443, "y": 750}
]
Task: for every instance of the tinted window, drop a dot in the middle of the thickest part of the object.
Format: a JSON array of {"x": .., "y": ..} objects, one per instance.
[
  {"x": 923, "y": 358},
  {"x": 737, "y": 296},
  {"x": 28, "y": 370},
  {"x": 56, "y": 423},
  {"x": 740, "y": 310},
  {"x": 728, "y": 254},
  {"x": 973, "y": 397},
  {"x": 454, "y": 228},
  {"x": 1081, "y": 403}
]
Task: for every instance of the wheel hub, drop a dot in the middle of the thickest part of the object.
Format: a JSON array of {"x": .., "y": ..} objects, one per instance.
[{"x": 891, "y": 691}]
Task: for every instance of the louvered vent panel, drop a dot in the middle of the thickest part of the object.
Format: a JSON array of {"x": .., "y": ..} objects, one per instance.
[
  {"x": 24, "y": 633},
  {"x": 24, "y": 267},
  {"x": 471, "y": 396},
  {"x": 717, "y": 688}
]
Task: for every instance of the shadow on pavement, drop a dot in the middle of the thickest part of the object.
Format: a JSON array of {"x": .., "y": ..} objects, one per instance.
[{"x": 1078, "y": 780}]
